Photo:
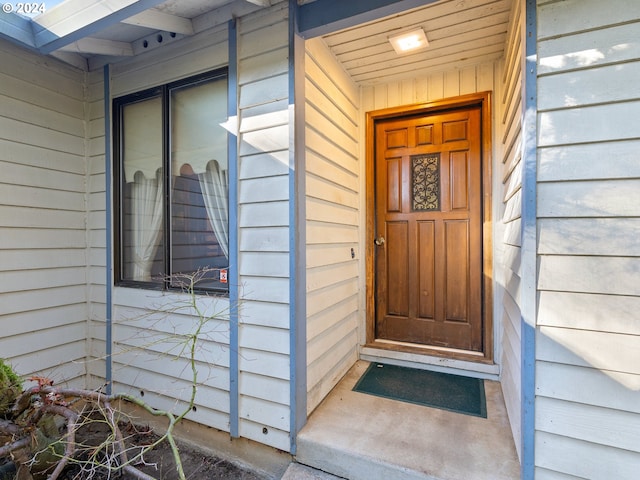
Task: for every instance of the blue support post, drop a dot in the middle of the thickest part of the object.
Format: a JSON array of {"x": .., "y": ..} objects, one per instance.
[
  {"x": 529, "y": 245},
  {"x": 234, "y": 346},
  {"x": 108, "y": 225}
]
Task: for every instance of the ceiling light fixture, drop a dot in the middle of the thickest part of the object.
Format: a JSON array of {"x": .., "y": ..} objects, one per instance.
[{"x": 409, "y": 42}]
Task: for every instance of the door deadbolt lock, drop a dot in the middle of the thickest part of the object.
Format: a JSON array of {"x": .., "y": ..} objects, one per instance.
[{"x": 379, "y": 241}]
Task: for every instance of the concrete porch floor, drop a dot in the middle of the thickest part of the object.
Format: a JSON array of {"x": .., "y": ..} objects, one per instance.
[{"x": 363, "y": 437}]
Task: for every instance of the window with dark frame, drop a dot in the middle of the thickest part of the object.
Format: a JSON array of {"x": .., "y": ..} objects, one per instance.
[{"x": 171, "y": 184}]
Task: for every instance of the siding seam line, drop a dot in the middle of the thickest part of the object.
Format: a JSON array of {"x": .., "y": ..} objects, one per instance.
[{"x": 587, "y": 30}]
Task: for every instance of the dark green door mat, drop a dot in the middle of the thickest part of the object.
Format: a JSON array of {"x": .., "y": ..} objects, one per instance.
[{"x": 422, "y": 387}]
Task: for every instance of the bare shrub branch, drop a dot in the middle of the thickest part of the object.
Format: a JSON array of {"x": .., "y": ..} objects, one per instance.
[{"x": 30, "y": 428}]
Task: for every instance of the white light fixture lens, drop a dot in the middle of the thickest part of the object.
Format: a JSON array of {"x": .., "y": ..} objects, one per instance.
[{"x": 409, "y": 41}]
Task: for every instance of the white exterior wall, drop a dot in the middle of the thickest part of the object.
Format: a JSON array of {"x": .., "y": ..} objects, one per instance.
[
  {"x": 53, "y": 232},
  {"x": 437, "y": 86},
  {"x": 147, "y": 358},
  {"x": 509, "y": 117},
  {"x": 144, "y": 343},
  {"x": 43, "y": 244},
  {"x": 96, "y": 229},
  {"x": 263, "y": 223},
  {"x": 588, "y": 329},
  {"x": 333, "y": 207}
]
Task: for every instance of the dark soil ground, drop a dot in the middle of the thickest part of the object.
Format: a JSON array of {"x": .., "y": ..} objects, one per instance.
[
  {"x": 158, "y": 462},
  {"x": 160, "y": 465},
  {"x": 96, "y": 457}
]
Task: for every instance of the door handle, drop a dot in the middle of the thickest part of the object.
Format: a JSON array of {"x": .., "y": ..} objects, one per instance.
[{"x": 379, "y": 241}]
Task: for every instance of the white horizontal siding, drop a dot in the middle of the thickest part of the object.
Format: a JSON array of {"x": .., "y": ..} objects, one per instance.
[
  {"x": 588, "y": 337},
  {"x": 584, "y": 162},
  {"x": 544, "y": 474},
  {"x": 597, "y": 312},
  {"x": 43, "y": 313},
  {"x": 199, "y": 53},
  {"x": 607, "y": 236},
  {"x": 598, "y": 85},
  {"x": 333, "y": 214},
  {"x": 586, "y": 385},
  {"x": 589, "y": 47},
  {"x": 509, "y": 173},
  {"x": 613, "y": 428},
  {"x": 263, "y": 221},
  {"x": 593, "y": 198},
  {"x": 150, "y": 354},
  {"x": 585, "y": 459}
]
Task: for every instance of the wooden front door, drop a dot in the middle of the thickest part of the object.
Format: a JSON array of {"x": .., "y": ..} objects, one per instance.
[{"x": 428, "y": 225}]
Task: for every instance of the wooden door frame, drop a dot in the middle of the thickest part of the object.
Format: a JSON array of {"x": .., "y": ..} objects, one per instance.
[{"x": 482, "y": 100}]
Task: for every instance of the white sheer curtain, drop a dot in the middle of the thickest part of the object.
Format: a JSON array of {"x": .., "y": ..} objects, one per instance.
[
  {"x": 215, "y": 191},
  {"x": 146, "y": 198}
]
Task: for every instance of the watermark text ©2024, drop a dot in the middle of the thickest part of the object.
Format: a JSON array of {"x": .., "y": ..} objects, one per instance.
[{"x": 24, "y": 8}]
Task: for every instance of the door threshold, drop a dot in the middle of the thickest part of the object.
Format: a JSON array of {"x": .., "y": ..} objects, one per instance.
[
  {"x": 433, "y": 350},
  {"x": 418, "y": 348},
  {"x": 425, "y": 359}
]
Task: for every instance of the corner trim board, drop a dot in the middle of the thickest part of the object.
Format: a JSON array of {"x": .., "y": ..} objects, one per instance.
[{"x": 297, "y": 236}]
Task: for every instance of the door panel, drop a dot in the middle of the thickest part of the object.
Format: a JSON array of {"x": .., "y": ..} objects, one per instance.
[
  {"x": 456, "y": 270},
  {"x": 428, "y": 273},
  {"x": 426, "y": 269},
  {"x": 453, "y": 131},
  {"x": 398, "y": 269},
  {"x": 424, "y": 134},
  {"x": 459, "y": 178},
  {"x": 393, "y": 184}
]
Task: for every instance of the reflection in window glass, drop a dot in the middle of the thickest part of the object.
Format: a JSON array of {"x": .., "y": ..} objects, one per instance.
[
  {"x": 199, "y": 207},
  {"x": 143, "y": 190},
  {"x": 173, "y": 188}
]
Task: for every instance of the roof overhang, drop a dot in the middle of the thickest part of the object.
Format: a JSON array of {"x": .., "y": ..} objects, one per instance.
[
  {"x": 68, "y": 22},
  {"x": 75, "y": 20},
  {"x": 75, "y": 31},
  {"x": 321, "y": 17}
]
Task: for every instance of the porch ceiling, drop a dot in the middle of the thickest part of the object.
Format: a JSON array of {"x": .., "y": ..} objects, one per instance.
[{"x": 460, "y": 33}]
